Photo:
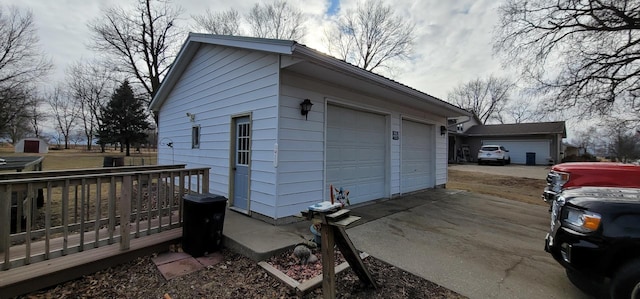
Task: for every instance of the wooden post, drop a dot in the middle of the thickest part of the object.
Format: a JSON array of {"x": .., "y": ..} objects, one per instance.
[
  {"x": 333, "y": 233},
  {"x": 5, "y": 223},
  {"x": 125, "y": 212},
  {"x": 328, "y": 260}
]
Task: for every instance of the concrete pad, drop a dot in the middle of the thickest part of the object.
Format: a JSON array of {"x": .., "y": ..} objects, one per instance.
[
  {"x": 259, "y": 240},
  {"x": 210, "y": 259},
  {"x": 478, "y": 246},
  {"x": 167, "y": 257},
  {"x": 179, "y": 268}
]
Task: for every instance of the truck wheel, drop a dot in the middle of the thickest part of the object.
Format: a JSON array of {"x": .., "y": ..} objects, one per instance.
[
  {"x": 626, "y": 282},
  {"x": 590, "y": 285}
]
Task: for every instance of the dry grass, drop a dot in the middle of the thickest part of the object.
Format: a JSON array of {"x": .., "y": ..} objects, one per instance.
[
  {"x": 514, "y": 188},
  {"x": 80, "y": 158}
]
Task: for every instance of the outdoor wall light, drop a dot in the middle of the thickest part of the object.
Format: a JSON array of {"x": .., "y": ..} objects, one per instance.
[
  {"x": 191, "y": 116},
  {"x": 305, "y": 107},
  {"x": 443, "y": 130}
]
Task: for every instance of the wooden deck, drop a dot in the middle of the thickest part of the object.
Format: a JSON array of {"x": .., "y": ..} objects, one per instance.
[
  {"x": 103, "y": 218},
  {"x": 33, "y": 277}
]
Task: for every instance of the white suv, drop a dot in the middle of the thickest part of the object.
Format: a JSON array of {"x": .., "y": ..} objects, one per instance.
[{"x": 493, "y": 153}]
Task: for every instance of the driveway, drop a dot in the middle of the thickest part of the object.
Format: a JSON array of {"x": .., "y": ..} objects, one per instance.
[
  {"x": 531, "y": 171},
  {"x": 478, "y": 246}
]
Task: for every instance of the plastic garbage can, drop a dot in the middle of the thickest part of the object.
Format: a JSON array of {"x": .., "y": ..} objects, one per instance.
[
  {"x": 203, "y": 222},
  {"x": 531, "y": 158}
]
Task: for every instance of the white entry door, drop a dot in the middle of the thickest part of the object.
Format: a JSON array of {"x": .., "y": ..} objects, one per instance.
[
  {"x": 356, "y": 152},
  {"x": 418, "y": 157}
]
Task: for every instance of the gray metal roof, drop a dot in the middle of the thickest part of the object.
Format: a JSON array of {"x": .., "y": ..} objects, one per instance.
[
  {"x": 542, "y": 128},
  {"x": 19, "y": 163}
]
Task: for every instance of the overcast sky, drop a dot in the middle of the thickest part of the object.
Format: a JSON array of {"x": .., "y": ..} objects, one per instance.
[{"x": 453, "y": 37}]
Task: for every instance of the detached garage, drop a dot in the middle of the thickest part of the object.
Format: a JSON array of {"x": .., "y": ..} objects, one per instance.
[
  {"x": 31, "y": 145},
  {"x": 543, "y": 141},
  {"x": 279, "y": 122}
]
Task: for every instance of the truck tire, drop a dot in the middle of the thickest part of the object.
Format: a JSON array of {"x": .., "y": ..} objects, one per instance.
[
  {"x": 626, "y": 282},
  {"x": 591, "y": 285}
]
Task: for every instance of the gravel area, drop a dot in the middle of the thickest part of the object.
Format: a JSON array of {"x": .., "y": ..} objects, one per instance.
[
  {"x": 523, "y": 171},
  {"x": 236, "y": 277}
]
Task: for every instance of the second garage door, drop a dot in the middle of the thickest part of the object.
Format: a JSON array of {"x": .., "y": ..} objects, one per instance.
[
  {"x": 518, "y": 149},
  {"x": 417, "y": 157},
  {"x": 356, "y": 152}
]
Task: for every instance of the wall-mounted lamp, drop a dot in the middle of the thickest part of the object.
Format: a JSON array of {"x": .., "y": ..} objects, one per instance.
[
  {"x": 191, "y": 116},
  {"x": 443, "y": 130},
  {"x": 305, "y": 107}
]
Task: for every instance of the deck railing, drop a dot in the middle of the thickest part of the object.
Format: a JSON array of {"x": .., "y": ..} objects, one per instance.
[{"x": 85, "y": 209}]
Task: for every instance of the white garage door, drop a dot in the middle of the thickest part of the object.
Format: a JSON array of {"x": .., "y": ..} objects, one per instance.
[
  {"x": 356, "y": 151},
  {"x": 518, "y": 149},
  {"x": 417, "y": 156}
]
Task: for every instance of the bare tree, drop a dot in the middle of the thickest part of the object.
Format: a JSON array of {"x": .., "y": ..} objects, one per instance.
[
  {"x": 64, "y": 112},
  {"x": 583, "y": 54},
  {"x": 90, "y": 84},
  {"x": 371, "y": 36},
  {"x": 21, "y": 63},
  {"x": 139, "y": 40},
  {"x": 223, "y": 23},
  {"x": 277, "y": 20},
  {"x": 585, "y": 139},
  {"x": 522, "y": 110},
  {"x": 36, "y": 116},
  {"x": 623, "y": 140},
  {"x": 19, "y": 128},
  {"x": 486, "y": 98}
]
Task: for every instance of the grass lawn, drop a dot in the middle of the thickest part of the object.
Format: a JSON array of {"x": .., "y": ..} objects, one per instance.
[{"x": 80, "y": 158}]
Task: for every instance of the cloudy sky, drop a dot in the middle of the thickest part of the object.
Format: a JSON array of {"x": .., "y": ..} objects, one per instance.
[{"x": 453, "y": 37}]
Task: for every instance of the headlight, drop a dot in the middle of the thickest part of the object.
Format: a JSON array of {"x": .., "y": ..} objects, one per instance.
[
  {"x": 583, "y": 221},
  {"x": 558, "y": 179}
]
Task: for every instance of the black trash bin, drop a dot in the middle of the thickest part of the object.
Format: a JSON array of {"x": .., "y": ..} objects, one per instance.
[
  {"x": 531, "y": 158},
  {"x": 202, "y": 225},
  {"x": 107, "y": 162}
]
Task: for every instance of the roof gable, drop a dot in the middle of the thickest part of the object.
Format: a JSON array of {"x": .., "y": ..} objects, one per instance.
[
  {"x": 294, "y": 50},
  {"x": 541, "y": 128}
]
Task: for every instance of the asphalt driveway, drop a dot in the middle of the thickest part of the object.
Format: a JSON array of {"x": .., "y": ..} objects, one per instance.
[{"x": 478, "y": 246}]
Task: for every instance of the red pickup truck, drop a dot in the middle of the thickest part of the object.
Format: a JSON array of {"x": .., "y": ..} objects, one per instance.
[{"x": 598, "y": 174}]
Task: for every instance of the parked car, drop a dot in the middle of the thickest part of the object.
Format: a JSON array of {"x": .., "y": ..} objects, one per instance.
[
  {"x": 595, "y": 236},
  {"x": 575, "y": 174},
  {"x": 493, "y": 153}
]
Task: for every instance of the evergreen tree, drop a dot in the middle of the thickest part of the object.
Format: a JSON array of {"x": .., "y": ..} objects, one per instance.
[{"x": 124, "y": 119}]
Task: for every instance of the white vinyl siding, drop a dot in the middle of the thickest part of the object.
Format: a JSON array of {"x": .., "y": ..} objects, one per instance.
[{"x": 220, "y": 82}]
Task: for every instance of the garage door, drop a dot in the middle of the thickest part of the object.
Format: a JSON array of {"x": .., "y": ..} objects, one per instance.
[
  {"x": 356, "y": 151},
  {"x": 518, "y": 149},
  {"x": 417, "y": 168}
]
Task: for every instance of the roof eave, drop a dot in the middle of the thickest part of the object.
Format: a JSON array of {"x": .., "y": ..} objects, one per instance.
[
  {"x": 191, "y": 46},
  {"x": 380, "y": 80}
]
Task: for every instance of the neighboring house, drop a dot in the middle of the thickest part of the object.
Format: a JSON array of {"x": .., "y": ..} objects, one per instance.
[
  {"x": 459, "y": 149},
  {"x": 31, "y": 145},
  {"x": 572, "y": 150},
  {"x": 543, "y": 139},
  {"x": 235, "y": 104}
]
